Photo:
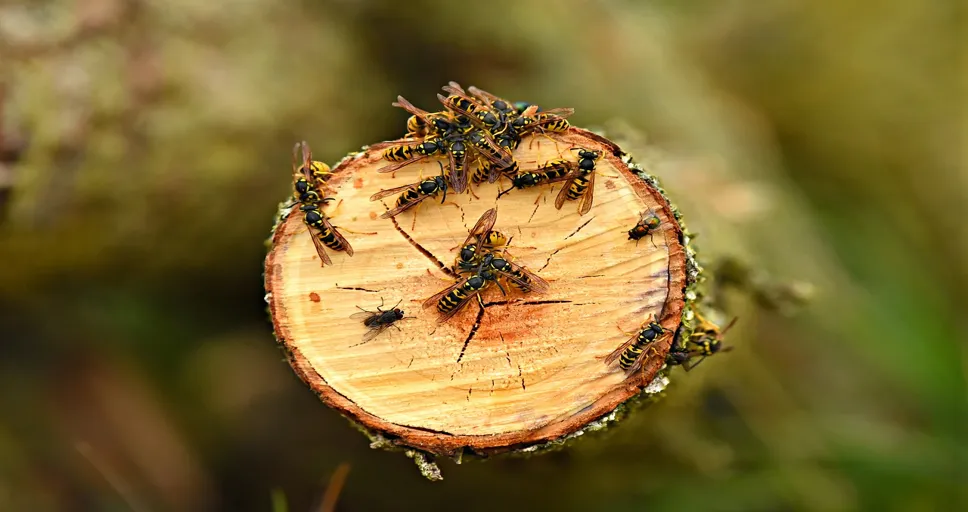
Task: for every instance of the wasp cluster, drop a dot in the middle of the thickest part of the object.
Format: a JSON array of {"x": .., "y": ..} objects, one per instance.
[{"x": 476, "y": 133}]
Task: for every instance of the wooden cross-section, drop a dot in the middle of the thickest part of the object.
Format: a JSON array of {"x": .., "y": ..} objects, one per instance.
[{"x": 533, "y": 372}]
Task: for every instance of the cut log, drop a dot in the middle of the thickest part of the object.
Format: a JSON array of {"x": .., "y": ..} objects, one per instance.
[{"x": 534, "y": 370}]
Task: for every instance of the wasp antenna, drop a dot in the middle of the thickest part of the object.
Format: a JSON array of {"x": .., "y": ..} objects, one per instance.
[{"x": 728, "y": 326}]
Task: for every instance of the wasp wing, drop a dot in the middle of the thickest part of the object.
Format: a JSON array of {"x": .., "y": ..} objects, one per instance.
[
  {"x": 481, "y": 229},
  {"x": 405, "y": 206},
  {"x": 406, "y": 105},
  {"x": 494, "y": 152},
  {"x": 588, "y": 196},
  {"x": 439, "y": 295},
  {"x": 535, "y": 283},
  {"x": 486, "y": 97},
  {"x": 320, "y": 247},
  {"x": 458, "y": 307},
  {"x": 347, "y": 248},
  {"x": 558, "y": 112},
  {"x": 392, "y": 191},
  {"x": 395, "y": 166},
  {"x": 611, "y": 358},
  {"x": 458, "y": 172},
  {"x": 568, "y": 180}
]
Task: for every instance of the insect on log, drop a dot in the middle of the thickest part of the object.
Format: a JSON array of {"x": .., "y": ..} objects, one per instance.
[{"x": 533, "y": 370}]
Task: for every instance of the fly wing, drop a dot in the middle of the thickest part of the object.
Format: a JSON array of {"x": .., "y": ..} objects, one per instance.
[
  {"x": 374, "y": 332},
  {"x": 361, "y": 315}
]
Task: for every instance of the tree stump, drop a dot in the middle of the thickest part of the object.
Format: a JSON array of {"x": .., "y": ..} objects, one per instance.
[{"x": 534, "y": 371}]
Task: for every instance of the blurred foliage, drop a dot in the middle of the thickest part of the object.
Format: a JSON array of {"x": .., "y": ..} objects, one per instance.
[{"x": 145, "y": 146}]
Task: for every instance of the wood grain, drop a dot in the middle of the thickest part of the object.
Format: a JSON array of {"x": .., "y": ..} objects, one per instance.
[{"x": 533, "y": 372}]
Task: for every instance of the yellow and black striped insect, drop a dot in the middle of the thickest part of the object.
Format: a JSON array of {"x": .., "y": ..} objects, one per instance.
[
  {"x": 519, "y": 277},
  {"x": 413, "y": 194},
  {"x": 458, "y": 101},
  {"x": 316, "y": 172},
  {"x": 452, "y": 299},
  {"x": 432, "y": 142},
  {"x": 422, "y": 123},
  {"x": 309, "y": 197},
  {"x": 422, "y": 148},
  {"x": 705, "y": 341},
  {"x": 553, "y": 120},
  {"x": 491, "y": 172},
  {"x": 580, "y": 182},
  {"x": 480, "y": 240},
  {"x": 648, "y": 223},
  {"x": 631, "y": 354},
  {"x": 379, "y": 320},
  {"x": 553, "y": 171}
]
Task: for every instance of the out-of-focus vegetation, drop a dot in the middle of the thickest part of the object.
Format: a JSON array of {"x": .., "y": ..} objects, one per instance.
[{"x": 147, "y": 146}]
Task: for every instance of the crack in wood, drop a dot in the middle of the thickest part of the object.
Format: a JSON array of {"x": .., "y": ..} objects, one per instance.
[
  {"x": 429, "y": 255},
  {"x": 534, "y": 212},
  {"x": 548, "y": 261},
  {"x": 526, "y": 303},
  {"x": 477, "y": 325},
  {"x": 357, "y": 288},
  {"x": 575, "y": 232}
]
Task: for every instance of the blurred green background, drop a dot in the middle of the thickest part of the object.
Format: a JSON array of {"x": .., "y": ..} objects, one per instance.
[{"x": 145, "y": 147}]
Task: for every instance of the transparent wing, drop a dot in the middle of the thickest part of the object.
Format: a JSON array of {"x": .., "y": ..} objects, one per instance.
[
  {"x": 458, "y": 172},
  {"x": 559, "y": 112},
  {"x": 494, "y": 153},
  {"x": 439, "y": 295},
  {"x": 534, "y": 282},
  {"x": 486, "y": 97},
  {"x": 395, "y": 166},
  {"x": 460, "y": 305},
  {"x": 483, "y": 226},
  {"x": 347, "y": 248},
  {"x": 406, "y": 105},
  {"x": 494, "y": 172},
  {"x": 588, "y": 197},
  {"x": 404, "y": 207},
  {"x": 393, "y": 191},
  {"x": 568, "y": 180},
  {"x": 361, "y": 315},
  {"x": 611, "y": 358},
  {"x": 374, "y": 332},
  {"x": 320, "y": 247}
]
